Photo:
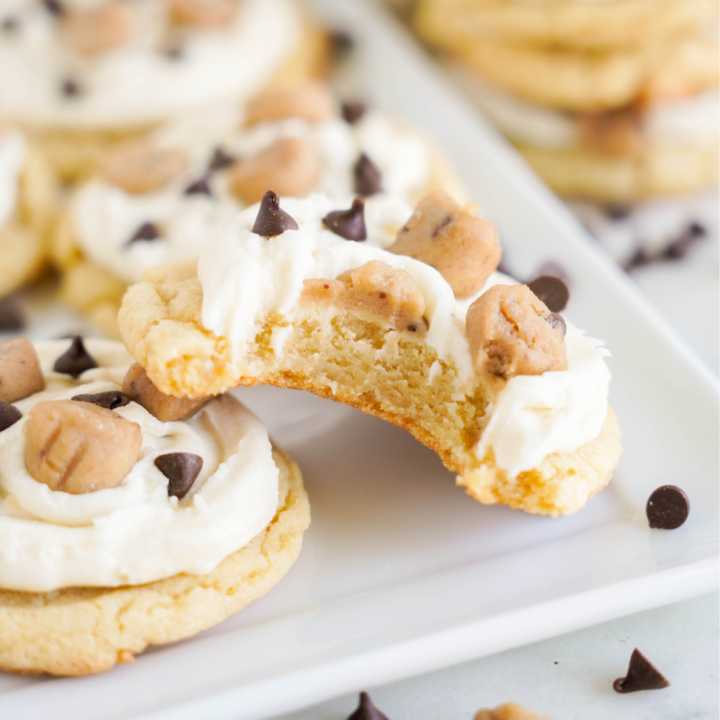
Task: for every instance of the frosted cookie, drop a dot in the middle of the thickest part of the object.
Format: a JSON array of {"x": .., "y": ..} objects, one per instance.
[
  {"x": 85, "y": 75},
  {"x": 160, "y": 199},
  {"x": 414, "y": 327},
  {"x": 451, "y": 24},
  {"x": 27, "y": 209},
  {"x": 162, "y": 516}
]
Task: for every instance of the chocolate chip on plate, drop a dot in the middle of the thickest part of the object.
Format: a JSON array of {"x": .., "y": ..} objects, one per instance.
[
  {"x": 551, "y": 290},
  {"x": 667, "y": 508},
  {"x": 271, "y": 219},
  {"x": 199, "y": 187},
  {"x": 75, "y": 360},
  {"x": 366, "y": 710},
  {"x": 70, "y": 88},
  {"x": 641, "y": 675},
  {"x": 110, "y": 400},
  {"x": 352, "y": 111},
  {"x": 348, "y": 224},
  {"x": 146, "y": 232},
  {"x": 12, "y": 316},
  {"x": 54, "y": 7},
  {"x": 9, "y": 415},
  {"x": 181, "y": 469},
  {"x": 220, "y": 160},
  {"x": 368, "y": 179}
]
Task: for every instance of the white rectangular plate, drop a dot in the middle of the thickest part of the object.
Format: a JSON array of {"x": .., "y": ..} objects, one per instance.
[{"x": 401, "y": 572}]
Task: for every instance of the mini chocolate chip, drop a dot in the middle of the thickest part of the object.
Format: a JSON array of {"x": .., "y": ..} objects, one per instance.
[
  {"x": 109, "y": 400},
  {"x": 9, "y": 415},
  {"x": 174, "y": 52},
  {"x": 348, "y": 224},
  {"x": 368, "y": 180},
  {"x": 271, "y": 219},
  {"x": 616, "y": 211},
  {"x": 10, "y": 24},
  {"x": 70, "y": 88},
  {"x": 366, "y": 710},
  {"x": 220, "y": 160},
  {"x": 75, "y": 360},
  {"x": 667, "y": 508},
  {"x": 442, "y": 224},
  {"x": 54, "y": 7},
  {"x": 146, "y": 232},
  {"x": 697, "y": 229},
  {"x": 641, "y": 675},
  {"x": 199, "y": 187},
  {"x": 352, "y": 111},
  {"x": 181, "y": 469},
  {"x": 412, "y": 328},
  {"x": 341, "y": 45},
  {"x": 552, "y": 291},
  {"x": 636, "y": 260},
  {"x": 555, "y": 320},
  {"x": 12, "y": 316}
]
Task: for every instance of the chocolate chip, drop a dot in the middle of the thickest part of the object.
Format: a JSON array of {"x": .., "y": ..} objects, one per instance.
[
  {"x": 341, "y": 45},
  {"x": 109, "y": 400},
  {"x": 146, "y": 232},
  {"x": 271, "y": 219},
  {"x": 54, "y": 7},
  {"x": 616, "y": 211},
  {"x": 199, "y": 187},
  {"x": 352, "y": 111},
  {"x": 639, "y": 258},
  {"x": 552, "y": 291},
  {"x": 70, "y": 88},
  {"x": 9, "y": 415},
  {"x": 220, "y": 160},
  {"x": 348, "y": 224},
  {"x": 366, "y": 710},
  {"x": 174, "y": 52},
  {"x": 667, "y": 508},
  {"x": 10, "y": 24},
  {"x": 180, "y": 469},
  {"x": 75, "y": 360},
  {"x": 12, "y": 316},
  {"x": 557, "y": 320},
  {"x": 697, "y": 229},
  {"x": 368, "y": 179},
  {"x": 641, "y": 675}
]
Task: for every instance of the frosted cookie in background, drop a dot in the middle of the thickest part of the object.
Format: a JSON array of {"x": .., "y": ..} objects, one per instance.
[
  {"x": 82, "y": 75},
  {"x": 162, "y": 198},
  {"x": 162, "y": 516}
]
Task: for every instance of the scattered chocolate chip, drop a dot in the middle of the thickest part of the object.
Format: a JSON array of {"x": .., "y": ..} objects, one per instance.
[
  {"x": 555, "y": 320},
  {"x": 199, "y": 187},
  {"x": 352, "y": 111},
  {"x": 616, "y": 211},
  {"x": 639, "y": 258},
  {"x": 348, "y": 224},
  {"x": 697, "y": 229},
  {"x": 368, "y": 180},
  {"x": 12, "y": 316},
  {"x": 180, "y": 469},
  {"x": 641, "y": 675},
  {"x": 70, "y": 88},
  {"x": 667, "y": 508},
  {"x": 9, "y": 415},
  {"x": 552, "y": 291},
  {"x": 146, "y": 232},
  {"x": 75, "y": 360},
  {"x": 366, "y": 710},
  {"x": 271, "y": 219},
  {"x": 173, "y": 52},
  {"x": 54, "y": 7},
  {"x": 341, "y": 45},
  {"x": 220, "y": 160},
  {"x": 9, "y": 24},
  {"x": 109, "y": 400}
]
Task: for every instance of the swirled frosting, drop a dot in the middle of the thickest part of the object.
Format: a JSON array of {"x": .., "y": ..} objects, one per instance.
[
  {"x": 134, "y": 533},
  {"x": 246, "y": 277},
  {"x": 141, "y": 82},
  {"x": 12, "y": 158}
]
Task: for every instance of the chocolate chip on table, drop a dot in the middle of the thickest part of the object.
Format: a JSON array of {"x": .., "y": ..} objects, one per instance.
[
  {"x": 352, "y": 111},
  {"x": 271, "y": 218},
  {"x": 110, "y": 400},
  {"x": 368, "y": 179},
  {"x": 348, "y": 224},
  {"x": 9, "y": 415},
  {"x": 220, "y": 160},
  {"x": 12, "y": 316},
  {"x": 199, "y": 187},
  {"x": 366, "y": 710},
  {"x": 54, "y": 7},
  {"x": 551, "y": 290},
  {"x": 181, "y": 469},
  {"x": 70, "y": 88},
  {"x": 641, "y": 675},
  {"x": 75, "y": 360},
  {"x": 667, "y": 508},
  {"x": 146, "y": 232}
]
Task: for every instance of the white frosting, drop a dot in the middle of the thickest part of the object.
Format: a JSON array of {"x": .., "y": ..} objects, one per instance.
[
  {"x": 245, "y": 277},
  {"x": 134, "y": 533},
  {"x": 137, "y": 84},
  {"x": 12, "y": 159},
  {"x": 105, "y": 217}
]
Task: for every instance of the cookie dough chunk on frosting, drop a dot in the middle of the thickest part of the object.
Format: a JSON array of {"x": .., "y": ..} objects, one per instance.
[
  {"x": 156, "y": 528},
  {"x": 527, "y": 424}
]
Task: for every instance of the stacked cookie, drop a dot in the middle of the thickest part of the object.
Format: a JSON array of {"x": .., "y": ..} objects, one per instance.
[{"x": 615, "y": 101}]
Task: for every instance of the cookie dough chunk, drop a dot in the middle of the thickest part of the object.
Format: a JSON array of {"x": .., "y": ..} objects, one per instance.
[
  {"x": 20, "y": 372},
  {"x": 99, "y": 29},
  {"x": 312, "y": 102},
  {"x": 204, "y": 13},
  {"x": 78, "y": 447},
  {"x": 138, "y": 167},
  {"x": 509, "y": 711}
]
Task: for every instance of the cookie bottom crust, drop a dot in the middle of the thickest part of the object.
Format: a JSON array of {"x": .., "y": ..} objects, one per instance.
[{"x": 79, "y": 631}]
